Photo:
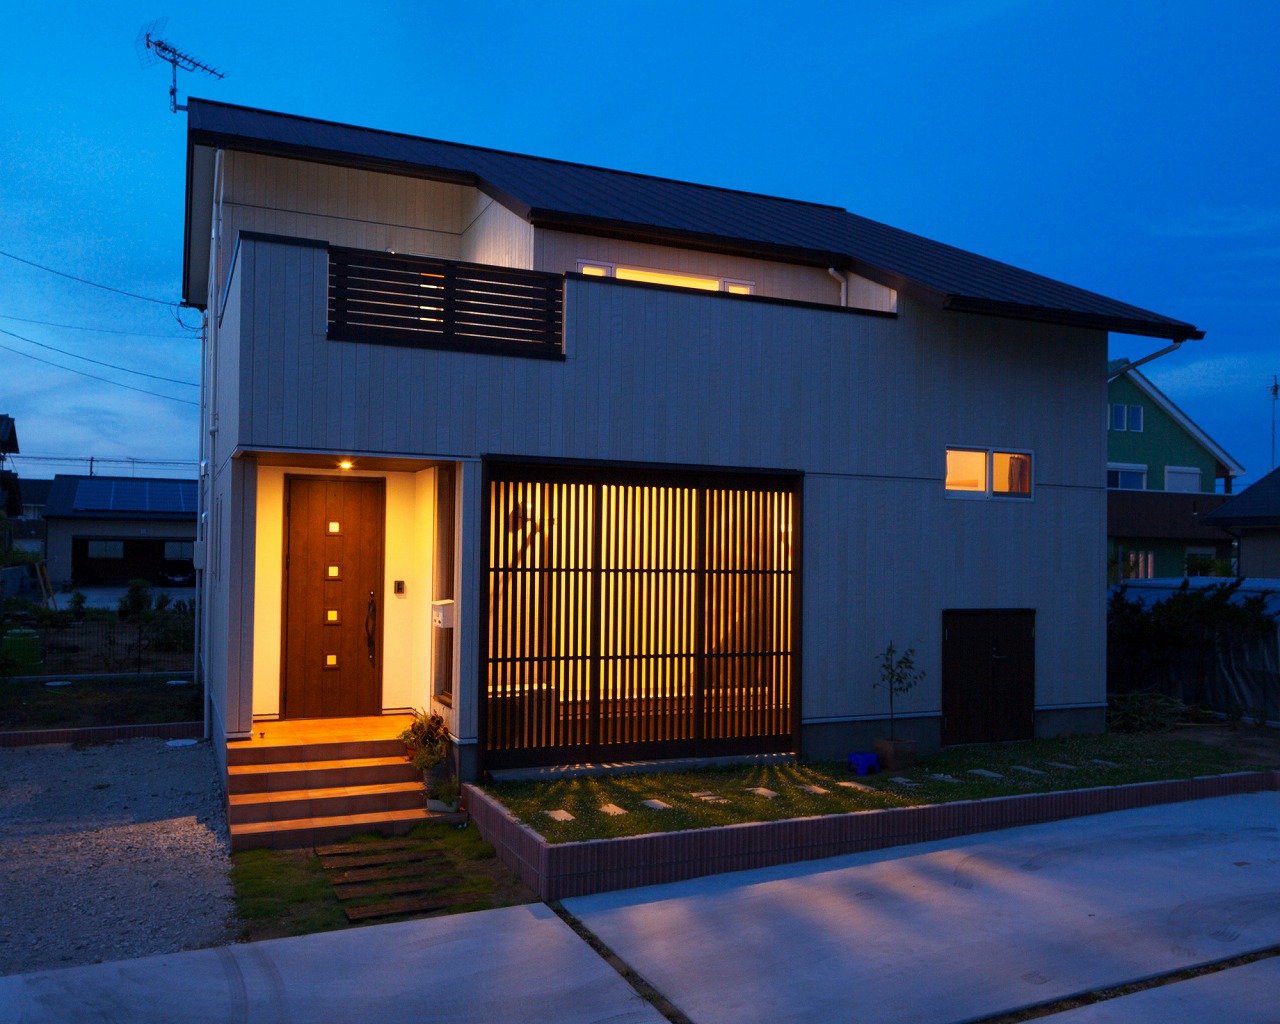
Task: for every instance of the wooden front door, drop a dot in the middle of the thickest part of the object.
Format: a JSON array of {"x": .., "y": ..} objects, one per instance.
[
  {"x": 988, "y": 675},
  {"x": 332, "y": 659}
]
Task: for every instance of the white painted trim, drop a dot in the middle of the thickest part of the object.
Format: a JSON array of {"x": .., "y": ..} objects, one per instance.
[{"x": 1184, "y": 421}]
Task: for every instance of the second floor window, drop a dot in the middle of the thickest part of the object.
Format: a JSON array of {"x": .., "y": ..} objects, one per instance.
[
  {"x": 1126, "y": 478},
  {"x": 1126, "y": 417},
  {"x": 988, "y": 473},
  {"x": 667, "y": 277}
]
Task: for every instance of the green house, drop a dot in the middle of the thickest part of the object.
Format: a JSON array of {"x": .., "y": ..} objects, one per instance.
[{"x": 1164, "y": 475}]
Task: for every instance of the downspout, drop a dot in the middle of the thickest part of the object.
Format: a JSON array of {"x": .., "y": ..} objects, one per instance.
[
  {"x": 1145, "y": 359},
  {"x": 844, "y": 285}
]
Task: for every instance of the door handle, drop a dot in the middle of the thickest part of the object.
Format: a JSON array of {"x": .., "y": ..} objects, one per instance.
[{"x": 370, "y": 624}]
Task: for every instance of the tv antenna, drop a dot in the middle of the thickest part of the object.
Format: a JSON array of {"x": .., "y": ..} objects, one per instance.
[{"x": 152, "y": 48}]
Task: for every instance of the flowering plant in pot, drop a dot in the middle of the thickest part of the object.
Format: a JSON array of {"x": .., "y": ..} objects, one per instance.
[
  {"x": 426, "y": 742},
  {"x": 898, "y": 675}
]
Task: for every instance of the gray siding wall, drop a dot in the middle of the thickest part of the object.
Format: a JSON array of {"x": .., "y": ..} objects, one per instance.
[{"x": 865, "y": 406}]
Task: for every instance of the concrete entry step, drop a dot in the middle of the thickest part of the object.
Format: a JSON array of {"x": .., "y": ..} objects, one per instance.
[
  {"x": 301, "y": 832},
  {"x": 358, "y": 771},
  {"x": 324, "y": 802}
]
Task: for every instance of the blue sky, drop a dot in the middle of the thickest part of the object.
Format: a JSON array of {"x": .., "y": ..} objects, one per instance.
[{"x": 1130, "y": 148}]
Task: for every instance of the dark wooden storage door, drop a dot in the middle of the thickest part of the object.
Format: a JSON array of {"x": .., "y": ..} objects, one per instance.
[
  {"x": 988, "y": 675},
  {"x": 332, "y": 658}
]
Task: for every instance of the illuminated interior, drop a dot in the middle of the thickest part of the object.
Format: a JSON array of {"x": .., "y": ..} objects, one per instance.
[
  {"x": 629, "y": 613},
  {"x": 669, "y": 278},
  {"x": 966, "y": 470}
]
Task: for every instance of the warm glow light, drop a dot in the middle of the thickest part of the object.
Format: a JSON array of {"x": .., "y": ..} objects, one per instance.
[
  {"x": 331, "y": 614},
  {"x": 345, "y": 464},
  {"x": 966, "y": 470},
  {"x": 591, "y": 271},
  {"x": 738, "y": 289},
  {"x": 333, "y": 572},
  {"x": 335, "y": 527},
  {"x": 707, "y": 284},
  {"x": 330, "y": 661}
]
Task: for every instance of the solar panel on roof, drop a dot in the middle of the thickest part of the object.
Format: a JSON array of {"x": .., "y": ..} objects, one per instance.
[{"x": 144, "y": 496}]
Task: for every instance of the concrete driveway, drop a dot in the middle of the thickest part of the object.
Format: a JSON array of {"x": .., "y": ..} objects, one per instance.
[
  {"x": 962, "y": 929},
  {"x": 941, "y": 932}
]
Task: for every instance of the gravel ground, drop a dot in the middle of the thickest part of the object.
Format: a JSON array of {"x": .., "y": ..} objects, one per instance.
[{"x": 110, "y": 852}]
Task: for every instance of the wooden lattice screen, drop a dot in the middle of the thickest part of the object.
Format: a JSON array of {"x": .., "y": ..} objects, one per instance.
[{"x": 638, "y": 615}]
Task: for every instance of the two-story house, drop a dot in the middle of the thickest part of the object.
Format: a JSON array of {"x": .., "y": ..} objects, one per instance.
[
  {"x": 1164, "y": 475},
  {"x": 606, "y": 466}
]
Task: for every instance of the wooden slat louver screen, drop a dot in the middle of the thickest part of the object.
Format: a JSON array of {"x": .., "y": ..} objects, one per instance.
[{"x": 636, "y": 615}]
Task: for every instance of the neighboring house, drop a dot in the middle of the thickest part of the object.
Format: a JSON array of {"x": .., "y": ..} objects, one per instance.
[
  {"x": 1164, "y": 475},
  {"x": 1253, "y": 516},
  {"x": 28, "y": 527},
  {"x": 605, "y": 466},
  {"x": 105, "y": 530}
]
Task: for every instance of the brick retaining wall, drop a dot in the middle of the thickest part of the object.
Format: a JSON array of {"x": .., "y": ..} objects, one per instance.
[
  {"x": 558, "y": 871},
  {"x": 102, "y": 734}
]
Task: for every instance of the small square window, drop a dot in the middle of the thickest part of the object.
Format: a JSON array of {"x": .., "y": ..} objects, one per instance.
[
  {"x": 966, "y": 470},
  {"x": 334, "y": 572},
  {"x": 330, "y": 661},
  {"x": 331, "y": 616},
  {"x": 335, "y": 526}
]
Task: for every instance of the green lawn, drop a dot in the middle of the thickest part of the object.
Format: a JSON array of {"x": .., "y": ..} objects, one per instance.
[
  {"x": 941, "y": 778},
  {"x": 280, "y": 893}
]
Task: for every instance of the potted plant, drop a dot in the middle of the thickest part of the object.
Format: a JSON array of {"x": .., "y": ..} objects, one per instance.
[
  {"x": 898, "y": 675},
  {"x": 446, "y": 797},
  {"x": 426, "y": 742}
]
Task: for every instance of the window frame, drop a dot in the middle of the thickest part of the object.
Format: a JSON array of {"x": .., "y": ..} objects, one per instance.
[
  {"x": 989, "y": 493},
  {"x": 724, "y": 285},
  {"x": 1135, "y": 413},
  {"x": 1127, "y": 467}
]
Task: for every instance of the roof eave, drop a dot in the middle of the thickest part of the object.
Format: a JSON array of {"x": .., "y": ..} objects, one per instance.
[{"x": 1171, "y": 329}]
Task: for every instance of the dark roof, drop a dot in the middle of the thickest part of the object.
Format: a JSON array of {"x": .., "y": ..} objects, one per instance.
[
  {"x": 1257, "y": 505},
  {"x": 593, "y": 200},
  {"x": 113, "y": 497},
  {"x": 35, "y": 492},
  {"x": 8, "y": 434}
]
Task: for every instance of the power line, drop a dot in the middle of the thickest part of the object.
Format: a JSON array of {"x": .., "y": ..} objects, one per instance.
[
  {"x": 120, "y": 461},
  {"x": 94, "y": 376},
  {"x": 95, "y": 330},
  {"x": 99, "y": 362},
  {"x": 82, "y": 280}
]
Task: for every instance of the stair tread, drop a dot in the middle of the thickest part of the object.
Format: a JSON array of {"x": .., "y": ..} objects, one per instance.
[
  {"x": 298, "y": 824},
  {"x": 282, "y": 795},
  {"x": 303, "y": 766}
]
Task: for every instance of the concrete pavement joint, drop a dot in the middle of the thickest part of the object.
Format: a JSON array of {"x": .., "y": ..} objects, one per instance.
[
  {"x": 1127, "y": 989},
  {"x": 628, "y": 974}
]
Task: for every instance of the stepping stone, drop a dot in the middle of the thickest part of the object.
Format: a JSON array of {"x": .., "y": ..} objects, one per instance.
[
  {"x": 59, "y": 682},
  {"x": 709, "y": 798},
  {"x": 903, "y": 782},
  {"x": 1059, "y": 764},
  {"x": 655, "y": 805},
  {"x": 1105, "y": 764},
  {"x": 1029, "y": 771},
  {"x": 612, "y": 809},
  {"x": 768, "y": 794},
  {"x": 559, "y": 815},
  {"x": 856, "y": 785},
  {"x": 181, "y": 743},
  {"x": 815, "y": 790},
  {"x": 985, "y": 774},
  {"x": 944, "y": 778}
]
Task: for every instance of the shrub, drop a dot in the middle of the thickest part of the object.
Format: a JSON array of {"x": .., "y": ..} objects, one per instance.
[{"x": 1144, "y": 712}]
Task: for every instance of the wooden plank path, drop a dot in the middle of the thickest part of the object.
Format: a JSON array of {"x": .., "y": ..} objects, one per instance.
[{"x": 411, "y": 869}]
